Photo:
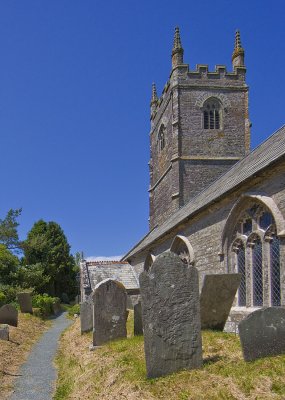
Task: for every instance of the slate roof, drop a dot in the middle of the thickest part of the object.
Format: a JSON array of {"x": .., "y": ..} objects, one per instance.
[
  {"x": 121, "y": 271},
  {"x": 265, "y": 154}
]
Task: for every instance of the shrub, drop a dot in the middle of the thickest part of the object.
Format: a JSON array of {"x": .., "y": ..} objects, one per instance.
[
  {"x": 2, "y": 299},
  {"x": 44, "y": 303}
]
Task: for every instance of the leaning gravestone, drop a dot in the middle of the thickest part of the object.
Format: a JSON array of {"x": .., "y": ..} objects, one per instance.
[
  {"x": 171, "y": 316},
  {"x": 25, "y": 301},
  {"x": 138, "y": 328},
  {"x": 262, "y": 333},
  {"x": 86, "y": 316},
  {"x": 4, "y": 332},
  {"x": 109, "y": 311},
  {"x": 217, "y": 296},
  {"x": 9, "y": 315}
]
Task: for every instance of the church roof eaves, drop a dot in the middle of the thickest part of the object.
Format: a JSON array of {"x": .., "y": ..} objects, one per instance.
[{"x": 261, "y": 157}]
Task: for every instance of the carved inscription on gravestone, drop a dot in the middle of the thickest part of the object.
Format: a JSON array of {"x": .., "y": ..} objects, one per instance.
[
  {"x": 25, "y": 301},
  {"x": 9, "y": 315},
  {"x": 262, "y": 333},
  {"x": 171, "y": 316},
  {"x": 109, "y": 311},
  {"x": 217, "y": 296}
]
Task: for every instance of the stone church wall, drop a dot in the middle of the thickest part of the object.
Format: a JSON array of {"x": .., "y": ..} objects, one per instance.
[{"x": 204, "y": 230}]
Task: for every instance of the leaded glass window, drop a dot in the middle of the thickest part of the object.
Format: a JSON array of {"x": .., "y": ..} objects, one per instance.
[
  {"x": 257, "y": 273},
  {"x": 275, "y": 271},
  {"x": 241, "y": 270},
  {"x": 265, "y": 220}
]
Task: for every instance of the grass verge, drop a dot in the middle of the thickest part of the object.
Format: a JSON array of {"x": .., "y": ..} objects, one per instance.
[
  {"x": 117, "y": 371},
  {"x": 15, "y": 351}
]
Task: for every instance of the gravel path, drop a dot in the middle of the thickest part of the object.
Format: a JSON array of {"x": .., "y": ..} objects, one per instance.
[{"x": 38, "y": 374}]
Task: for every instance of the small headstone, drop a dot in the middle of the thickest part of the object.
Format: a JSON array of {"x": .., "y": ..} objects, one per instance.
[
  {"x": 262, "y": 333},
  {"x": 171, "y": 316},
  {"x": 4, "y": 332},
  {"x": 86, "y": 316},
  {"x": 25, "y": 301},
  {"x": 9, "y": 315},
  {"x": 56, "y": 307},
  {"x": 138, "y": 328},
  {"x": 109, "y": 311},
  {"x": 217, "y": 296}
]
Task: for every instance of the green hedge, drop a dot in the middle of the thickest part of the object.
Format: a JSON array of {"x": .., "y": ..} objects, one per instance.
[{"x": 44, "y": 303}]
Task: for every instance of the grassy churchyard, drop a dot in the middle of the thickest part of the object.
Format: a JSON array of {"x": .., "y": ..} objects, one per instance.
[
  {"x": 15, "y": 351},
  {"x": 117, "y": 371}
]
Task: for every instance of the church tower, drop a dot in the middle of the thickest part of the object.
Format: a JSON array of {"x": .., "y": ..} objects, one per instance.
[{"x": 199, "y": 129}]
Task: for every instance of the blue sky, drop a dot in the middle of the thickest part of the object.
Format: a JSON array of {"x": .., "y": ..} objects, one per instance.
[{"x": 75, "y": 86}]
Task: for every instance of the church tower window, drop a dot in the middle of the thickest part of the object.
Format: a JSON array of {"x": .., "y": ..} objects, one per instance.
[
  {"x": 161, "y": 138},
  {"x": 212, "y": 114}
]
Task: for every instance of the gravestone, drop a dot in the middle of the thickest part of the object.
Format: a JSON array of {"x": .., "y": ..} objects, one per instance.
[
  {"x": 216, "y": 299},
  {"x": 262, "y": 333},
  {"x": 138, "y": 328},
  {"x": 171, "y": 316},
  {"x": 4, "y": 332},
  {"x": 25, "y": 301},
  {"x": 109, "y": 311},
  {"x": 9, "y": 315},
  {"x": 86, "y": 316}
]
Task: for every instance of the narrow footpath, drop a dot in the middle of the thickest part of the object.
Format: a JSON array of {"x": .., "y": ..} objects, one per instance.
[{"x": 38, "y": 374}]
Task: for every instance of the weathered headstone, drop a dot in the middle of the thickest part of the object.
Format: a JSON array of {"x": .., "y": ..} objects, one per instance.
[
  {"x": 138, "y": 327},
  {"x": 171, "y": 316},
  {"x": 25, "y": 301},
  {"x": 4, "y": 332},
  {"x": 86, "y": 316},
  {"x": 9, "y": 315},
  {"x": 217, "y": 296},
  {"x": 109, "y": 311},
  {"x": 262, "y": 333}
]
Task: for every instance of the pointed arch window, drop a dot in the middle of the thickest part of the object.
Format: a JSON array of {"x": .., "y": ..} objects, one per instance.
[
  {"x": 161, "y": 138},
  {"x": 212, "y": 114},
  {"x": 256, "y": 250}
]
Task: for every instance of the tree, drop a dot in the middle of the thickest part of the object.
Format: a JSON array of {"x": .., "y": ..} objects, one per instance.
[
  {"x": 8, "y": 230},
  {"x": 8, "y": 265},
  {"x": 47, "y": 245}
]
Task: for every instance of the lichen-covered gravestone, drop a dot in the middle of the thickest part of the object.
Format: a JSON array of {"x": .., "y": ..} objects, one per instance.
[
  {"x": 262, "y": 333},
  {"x": 217, "y": 296},
  {"x": 9, "y": 315},
  {"x": 4, "y": 332},
  {"x": 138, "y": 328},
  {"x": 25, "y": 302},
  {"x": 171, "y": 316},
  {"x": 109, "y": 311},
  {"x": 86, "y": 316}
]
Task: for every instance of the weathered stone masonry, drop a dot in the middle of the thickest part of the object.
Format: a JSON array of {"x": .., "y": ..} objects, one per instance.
[{"x": 212, "y": 202}]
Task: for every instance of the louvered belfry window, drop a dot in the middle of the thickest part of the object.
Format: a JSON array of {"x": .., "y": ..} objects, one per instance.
[{"x": 212, "y": 114}]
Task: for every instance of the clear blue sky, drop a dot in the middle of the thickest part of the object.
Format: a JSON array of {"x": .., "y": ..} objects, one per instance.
[{"x": 75, "y": 86}]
